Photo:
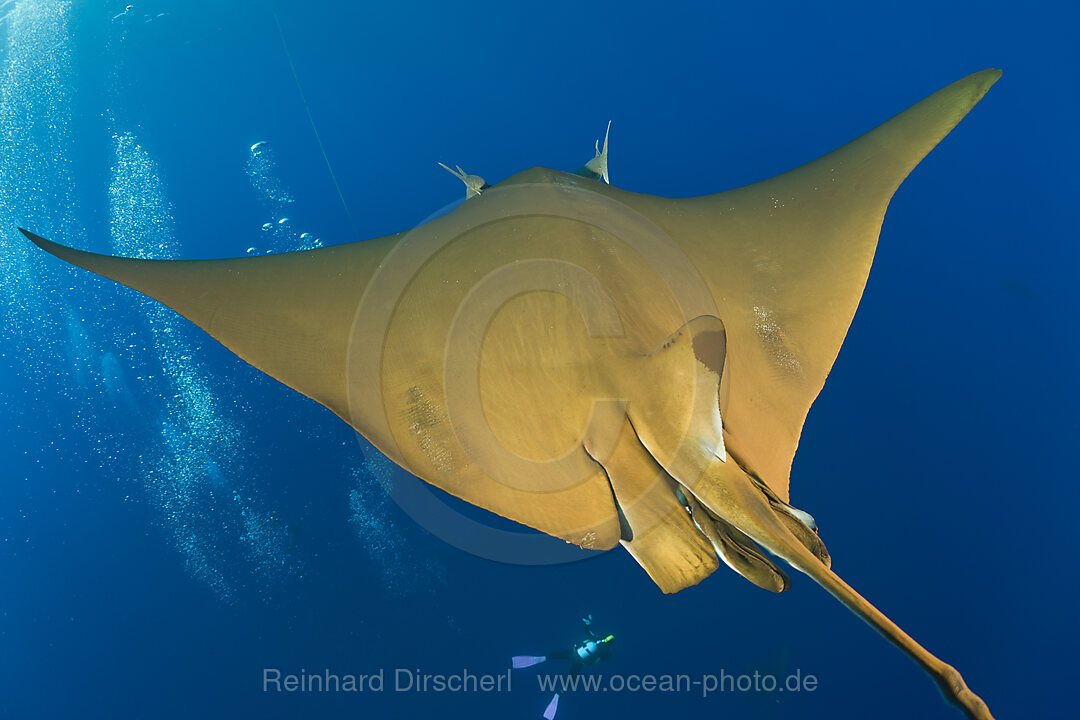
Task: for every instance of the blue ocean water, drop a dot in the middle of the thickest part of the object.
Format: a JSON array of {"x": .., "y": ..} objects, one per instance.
[{"x": 172, "y": 522}]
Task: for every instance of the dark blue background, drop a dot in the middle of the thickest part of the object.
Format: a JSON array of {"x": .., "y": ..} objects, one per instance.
[{"x": 937, "y": 460}]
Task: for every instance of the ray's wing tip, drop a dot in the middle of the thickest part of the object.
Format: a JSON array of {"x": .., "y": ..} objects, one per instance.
[
  {"x": 982, "y": 80},
  {"x": 989, "y": 76},
  {"x": 63, "y": 252},
  {"x": 976, "y": 85},
  {"x": 46, "y": 245}
]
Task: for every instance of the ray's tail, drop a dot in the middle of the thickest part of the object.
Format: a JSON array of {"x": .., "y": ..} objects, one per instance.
[
  {"x": 948, "y": 679},
  {"x": 729, "y": 493}
]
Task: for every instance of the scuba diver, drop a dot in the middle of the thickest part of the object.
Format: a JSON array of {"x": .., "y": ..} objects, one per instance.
[{"x": 591, "y": 650}]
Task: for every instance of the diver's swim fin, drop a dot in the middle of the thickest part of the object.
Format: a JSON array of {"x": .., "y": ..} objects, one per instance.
[
  {"x": 552, "y": 708},
  {"x": 524, "y": 661}
]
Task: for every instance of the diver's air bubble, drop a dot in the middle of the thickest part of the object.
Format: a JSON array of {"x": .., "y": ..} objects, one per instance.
[
  {"x": 214, "y": 475},
  {"x": 268, "y": 539},
  {"x": 111, "y": 374},
  {"x": 187, "y": 473},
  {"x": 80, "y": 349},
  {"x": 114, "y": 381},
  {"x": 262, "y": 172},
  {"x": 308, "y": 241},
  {"x": 35, "y": 179},
  {"x": 6, "y": 9},
  {"x": 123, "y": 13},
  {"x": 402, "y": 572}
]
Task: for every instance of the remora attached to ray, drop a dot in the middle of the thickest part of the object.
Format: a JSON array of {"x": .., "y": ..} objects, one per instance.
[{"x": 601, "y": 365}]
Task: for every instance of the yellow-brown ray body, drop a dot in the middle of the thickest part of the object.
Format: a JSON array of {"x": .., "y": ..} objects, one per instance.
[{"x": 597, "y": 364}]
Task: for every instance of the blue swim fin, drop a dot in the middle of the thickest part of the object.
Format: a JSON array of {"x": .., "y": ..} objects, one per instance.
[
  {"x": 524, "y": 661},
  {"x": 552, "y": 707}
]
